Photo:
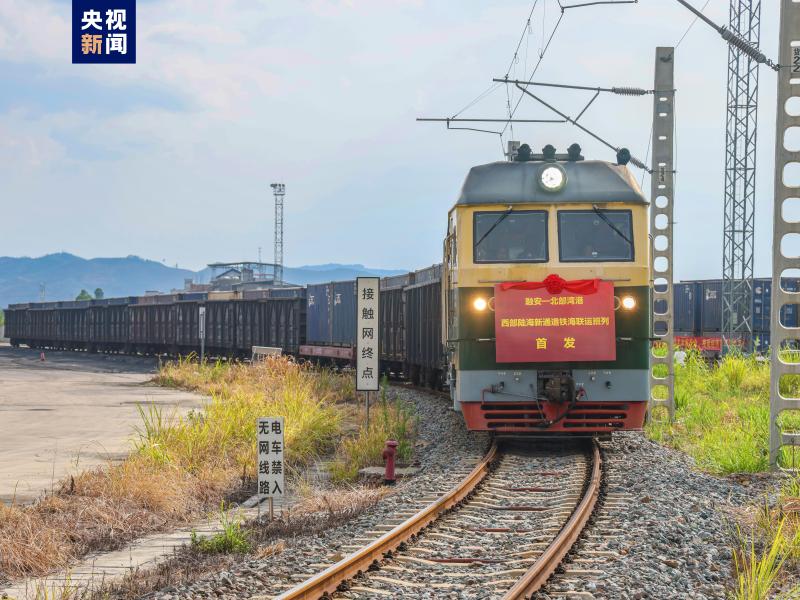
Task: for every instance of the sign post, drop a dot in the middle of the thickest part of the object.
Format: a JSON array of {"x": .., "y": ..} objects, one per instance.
[
  {"x": 201, "y": 328},
  {"x": 270, "y": 463},
  {"x": 367, "y": 336}
]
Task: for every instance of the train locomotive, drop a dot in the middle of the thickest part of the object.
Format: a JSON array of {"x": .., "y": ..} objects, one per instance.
[
  {"x": 538, "y": 318},
  {"x": 546, "y": 296}
]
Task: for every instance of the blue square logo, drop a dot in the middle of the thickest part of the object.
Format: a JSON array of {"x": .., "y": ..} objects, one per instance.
[{"x": 104, "y": 31}]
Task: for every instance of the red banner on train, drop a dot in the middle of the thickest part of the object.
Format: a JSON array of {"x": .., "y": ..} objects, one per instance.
[{"x": 550, "y": 323}]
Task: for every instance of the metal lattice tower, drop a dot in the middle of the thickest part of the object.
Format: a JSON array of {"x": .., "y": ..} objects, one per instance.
[
  {"x": 740, "y": 177},
  {"x": 279, "y": 191}
]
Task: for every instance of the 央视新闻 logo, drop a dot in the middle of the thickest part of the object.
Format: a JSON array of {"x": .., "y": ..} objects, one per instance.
[{"x": 104, "y": 31}]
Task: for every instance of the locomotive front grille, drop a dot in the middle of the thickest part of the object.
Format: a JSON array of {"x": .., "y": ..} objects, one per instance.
[{"x": 527, "y": 416}]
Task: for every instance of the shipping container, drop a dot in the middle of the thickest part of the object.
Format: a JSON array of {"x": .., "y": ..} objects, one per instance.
[
  {"x": 711, "y": 305},
  {"x": 762, "y": 301},
  {"x": 343, "y": 327},
  {"x": 762, "y": 305},
  {"x": 686, "y": 306},
  {"x": 319, "y": 299}
]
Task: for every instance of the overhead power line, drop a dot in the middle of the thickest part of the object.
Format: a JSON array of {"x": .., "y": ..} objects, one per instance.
[
  {"x": 734, "y": 39},
  {"x": 574, "y": 122}
]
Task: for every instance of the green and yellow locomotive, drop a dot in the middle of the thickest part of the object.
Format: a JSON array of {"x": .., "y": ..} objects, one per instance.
[{"x": 546, "y": 296}]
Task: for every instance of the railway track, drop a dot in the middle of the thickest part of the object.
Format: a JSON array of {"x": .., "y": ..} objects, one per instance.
[{"x": 503, "y": 530}]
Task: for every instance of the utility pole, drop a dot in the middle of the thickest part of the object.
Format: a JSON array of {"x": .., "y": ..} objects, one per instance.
[
  {"x": 661, "y": 219},
  {"x": 279, "y": 191},
  {"x": 788, "y": 116},
  {"x": 740, "y": 178}
]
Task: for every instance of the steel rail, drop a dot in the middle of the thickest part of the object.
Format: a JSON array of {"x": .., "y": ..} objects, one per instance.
[
  {"x": 327, "y": 581},
  {"x": 548, "y": 562}
]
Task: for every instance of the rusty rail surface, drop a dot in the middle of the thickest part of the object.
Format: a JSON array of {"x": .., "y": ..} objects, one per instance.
[
  {"x": 548, "y": 562},
  {"x": 327, "y": 581}
]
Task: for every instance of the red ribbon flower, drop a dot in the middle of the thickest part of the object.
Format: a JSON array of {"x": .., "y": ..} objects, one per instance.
[{"x": 555, "y": 285}]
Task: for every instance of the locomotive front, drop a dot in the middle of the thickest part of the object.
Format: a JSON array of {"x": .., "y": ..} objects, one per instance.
[{"x": 546, "y": 289}]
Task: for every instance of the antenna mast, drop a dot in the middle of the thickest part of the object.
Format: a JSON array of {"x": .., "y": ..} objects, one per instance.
[{"x": 279, "y": 191}]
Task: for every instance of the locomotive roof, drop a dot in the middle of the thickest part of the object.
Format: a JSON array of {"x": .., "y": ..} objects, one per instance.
[{"x": 588, "y": 182}]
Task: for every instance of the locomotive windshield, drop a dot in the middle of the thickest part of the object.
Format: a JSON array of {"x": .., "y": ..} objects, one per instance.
[
  {"x": 510, "y": 236},
  {"x": 595, "y": 235}
]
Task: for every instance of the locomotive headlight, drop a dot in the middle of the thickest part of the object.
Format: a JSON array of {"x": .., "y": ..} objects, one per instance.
[
  {"x": 552, "y": 178},
  {"x": 480, "y": 304},
  {"x": 628, "y": 302}
]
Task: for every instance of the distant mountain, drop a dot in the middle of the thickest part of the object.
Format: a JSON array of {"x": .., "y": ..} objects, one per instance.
[{"x": 64, "y": 275}]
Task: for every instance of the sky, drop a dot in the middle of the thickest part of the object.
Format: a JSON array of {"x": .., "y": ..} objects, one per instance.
[{"x": 172, "y": 158}]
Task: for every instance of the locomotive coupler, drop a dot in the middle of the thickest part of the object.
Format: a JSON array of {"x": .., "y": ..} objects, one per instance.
[{"x": 558, "y": 388}]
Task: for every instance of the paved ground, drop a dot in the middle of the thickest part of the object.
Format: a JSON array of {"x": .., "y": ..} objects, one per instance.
[{"x": 72, "y": 411}]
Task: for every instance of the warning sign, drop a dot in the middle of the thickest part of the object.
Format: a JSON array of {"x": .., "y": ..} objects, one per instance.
[{"x": 537, "y": 323}]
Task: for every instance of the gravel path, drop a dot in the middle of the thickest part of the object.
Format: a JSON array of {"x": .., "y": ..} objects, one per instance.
[{"x": 446, "y": 453}]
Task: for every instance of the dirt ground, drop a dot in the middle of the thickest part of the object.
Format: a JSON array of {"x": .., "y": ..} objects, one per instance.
[{"x": 70, "y": 412}]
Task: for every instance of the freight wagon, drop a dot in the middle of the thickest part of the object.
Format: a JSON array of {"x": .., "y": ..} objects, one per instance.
[
  {"x": 318, "y": 321},
  {"x": 410, "y": 324}
]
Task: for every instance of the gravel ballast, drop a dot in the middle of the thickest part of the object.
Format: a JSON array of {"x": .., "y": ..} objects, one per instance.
[
  {"x": 663, "y": 529},
  {"x": 445, "y": 452}
]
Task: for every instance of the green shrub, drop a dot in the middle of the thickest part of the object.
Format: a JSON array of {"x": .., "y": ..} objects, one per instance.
[{"x": 232, "y": 538}]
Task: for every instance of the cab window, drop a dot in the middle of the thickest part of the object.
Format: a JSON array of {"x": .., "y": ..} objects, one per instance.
[
  {"x": 595, "y": 235},
  {"x": 510, "y": 236}
]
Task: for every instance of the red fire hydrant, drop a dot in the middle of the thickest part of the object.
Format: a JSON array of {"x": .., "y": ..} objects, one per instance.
[{"x": 389, "y": 452}]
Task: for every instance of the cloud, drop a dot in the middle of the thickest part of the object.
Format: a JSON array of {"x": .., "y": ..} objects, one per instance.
[{"x": 172, "y": 157}]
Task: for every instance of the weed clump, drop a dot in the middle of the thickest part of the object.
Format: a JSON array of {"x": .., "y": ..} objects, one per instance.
[
  {"x": 389, "y": 419},
  {"x": 233, "y": 539},
  {"x": 722, "y": 413}
]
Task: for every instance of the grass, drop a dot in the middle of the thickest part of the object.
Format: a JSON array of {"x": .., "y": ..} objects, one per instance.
[
  {"x": 232, "y": 539},
  {"x": 180, "y": 467},
  {"x": 722, "y": 414},
  {"x": 767, "y": 563},
  {"x": 241, "y": 393},
  {"x": 757, "y": 571},
  {"x": 722, "y": 420},
  {"x": 389, "y": 420}
]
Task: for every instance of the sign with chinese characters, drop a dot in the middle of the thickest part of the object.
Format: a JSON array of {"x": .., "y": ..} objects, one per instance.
[
  {"x": 270, "y": 457},
  {"x": 104, "y": 31},
  {"x": 537, "y": 326},
  {"x": 201, "y": 322},
  {"x": 367, "y": 333}
]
